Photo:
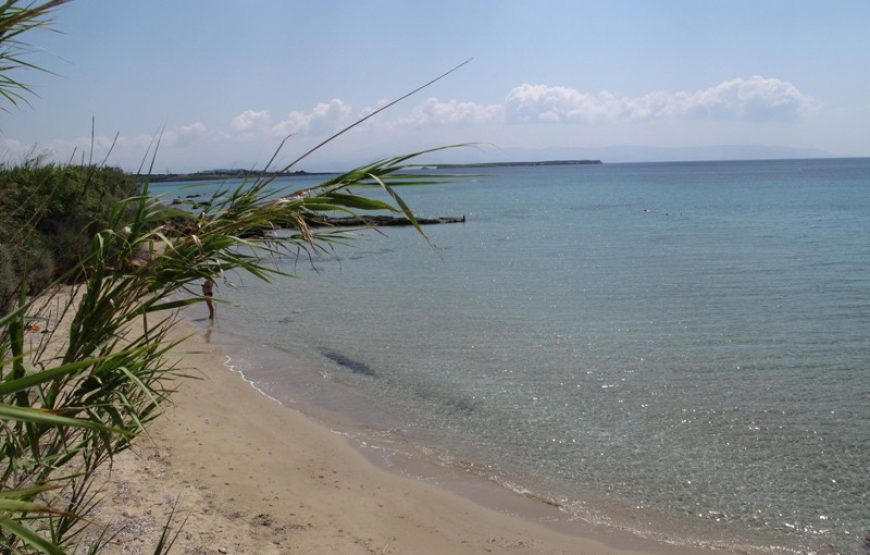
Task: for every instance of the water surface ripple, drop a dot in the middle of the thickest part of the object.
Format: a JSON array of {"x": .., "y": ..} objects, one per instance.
[{"x": 681, "y": 347}]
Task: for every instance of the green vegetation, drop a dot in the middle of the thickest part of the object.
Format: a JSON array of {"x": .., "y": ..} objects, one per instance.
[
  {"x": 91, "y": 279},
  {"x": 68, "y": 405},
  {"x": 17, "y": 18},
  {"x": 49, "y": 212}
]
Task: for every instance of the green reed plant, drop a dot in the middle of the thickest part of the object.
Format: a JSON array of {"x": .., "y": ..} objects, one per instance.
[
  {"x": 73, "y": 397},
  {"x": 17, "y": 18},
  {"x": 71, "y": 401}
]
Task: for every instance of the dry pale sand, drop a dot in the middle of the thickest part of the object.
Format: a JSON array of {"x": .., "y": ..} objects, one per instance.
[{"x": 248, "y": 475}]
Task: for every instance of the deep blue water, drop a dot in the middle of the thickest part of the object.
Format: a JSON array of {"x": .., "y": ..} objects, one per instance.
[{"x": 682, "y": 345}]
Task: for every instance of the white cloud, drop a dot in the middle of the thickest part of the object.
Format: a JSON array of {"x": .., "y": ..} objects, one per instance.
[
  {"x": 125, "y": 150},
  {"x": 753, "y": 99},
  {"x": 295, "y": 123},
  {"x": 324, "y": 118},
  {"x": 378, "y": 105},
  {"x": 10, "y": 145},
  {"x": 14, "y": 151},
  {"x": 715, "y": 110},
  {"x": 528, "y": 103},
  {"x": 452, "y": 112},
  {"x": 250, "y": 120},
  {"x": 183, "y": 135}
]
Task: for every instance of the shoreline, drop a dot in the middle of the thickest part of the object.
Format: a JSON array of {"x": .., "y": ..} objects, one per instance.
[{"x": 260, "y": 477}]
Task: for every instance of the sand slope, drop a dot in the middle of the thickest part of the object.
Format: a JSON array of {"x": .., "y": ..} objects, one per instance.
[{"x": 251, "y": 476}]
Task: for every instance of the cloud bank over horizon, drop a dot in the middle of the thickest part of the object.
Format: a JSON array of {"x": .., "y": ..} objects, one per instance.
[
  {"x": 755, "y": 99},
  {"x": 685, "y": 74}
]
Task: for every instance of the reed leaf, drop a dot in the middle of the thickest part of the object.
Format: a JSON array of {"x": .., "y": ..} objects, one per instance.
[
  {"x": 25, "y": 493},
  {"x": 31, "y": 380},
  {"x": 19, "y": 506},
  {"x": 38, "y": 416},
  {"x": 30, "y": 537}
]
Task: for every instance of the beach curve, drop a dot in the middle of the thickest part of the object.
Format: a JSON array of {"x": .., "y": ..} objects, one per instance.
[{"x": 248, "y": 475}]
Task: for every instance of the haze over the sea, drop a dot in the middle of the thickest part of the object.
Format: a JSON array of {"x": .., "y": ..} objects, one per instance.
[{"x": 676, "y": 80}]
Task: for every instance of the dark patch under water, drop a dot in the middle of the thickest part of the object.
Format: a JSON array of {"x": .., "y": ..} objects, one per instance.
[
  {"x": 354, "y": 366},
  {"x": 357, "y": 367},
  {"x": 461, "y": 405}
]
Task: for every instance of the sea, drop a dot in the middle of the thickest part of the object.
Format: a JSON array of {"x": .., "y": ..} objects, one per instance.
[{"x": 679, "y": 351}]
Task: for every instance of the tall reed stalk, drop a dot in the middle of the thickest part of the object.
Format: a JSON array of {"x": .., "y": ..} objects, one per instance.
[
  {"x": 75, "y": 398},
  {"x": 84, "y": 368}
]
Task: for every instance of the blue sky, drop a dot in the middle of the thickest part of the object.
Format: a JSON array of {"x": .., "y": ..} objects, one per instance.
[{"x": 228, "y": 80}]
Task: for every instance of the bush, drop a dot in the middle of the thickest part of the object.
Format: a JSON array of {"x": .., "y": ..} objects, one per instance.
[{"x": 47, "y": 215}]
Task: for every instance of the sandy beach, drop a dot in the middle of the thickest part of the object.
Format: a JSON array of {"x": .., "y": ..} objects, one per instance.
[{"x": 247, "y": 475}]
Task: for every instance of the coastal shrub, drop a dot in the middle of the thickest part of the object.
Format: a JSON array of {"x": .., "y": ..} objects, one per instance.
[{"x": 47, "y": 215}]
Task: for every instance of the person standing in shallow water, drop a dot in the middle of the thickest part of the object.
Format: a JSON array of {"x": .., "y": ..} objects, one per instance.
[{"x": 208, "y": 293}]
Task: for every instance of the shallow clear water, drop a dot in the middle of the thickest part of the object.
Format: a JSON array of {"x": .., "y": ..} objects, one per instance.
[{"x": 683, "y": 345}]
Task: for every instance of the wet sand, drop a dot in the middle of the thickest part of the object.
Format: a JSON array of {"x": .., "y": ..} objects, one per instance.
[{"x": 248, "y": 475}]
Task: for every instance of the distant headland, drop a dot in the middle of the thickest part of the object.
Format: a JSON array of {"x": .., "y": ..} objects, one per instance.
[
  {"x": 515, "y": 164},
  {"x": 225, "y": 174}
]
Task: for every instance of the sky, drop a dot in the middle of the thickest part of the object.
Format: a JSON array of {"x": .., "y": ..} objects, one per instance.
[{"x": 224, "y": 82}]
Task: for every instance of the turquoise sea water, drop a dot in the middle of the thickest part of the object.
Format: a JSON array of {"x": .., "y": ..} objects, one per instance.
[{"x": 680, "y": 349}]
